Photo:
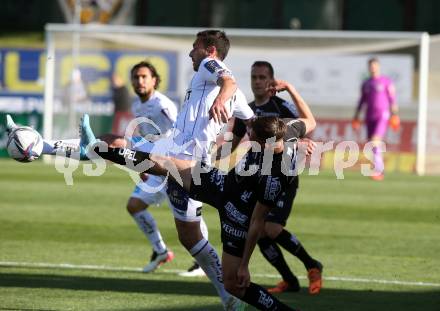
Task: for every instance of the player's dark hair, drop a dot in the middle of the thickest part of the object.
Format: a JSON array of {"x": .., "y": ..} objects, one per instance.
[
  {"x": 267, "y": 127},
  {"x": 216, "y": 38},
  {"x": 263, "y": 63},
  {"x": 373, "y": 60},
  {"x": 152, "y": 69}
]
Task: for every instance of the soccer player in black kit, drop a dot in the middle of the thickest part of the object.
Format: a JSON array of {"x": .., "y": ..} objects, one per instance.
[{"x": 266, "y": 103}]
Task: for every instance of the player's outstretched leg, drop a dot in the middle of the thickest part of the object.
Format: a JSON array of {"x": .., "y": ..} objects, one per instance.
[
  {"x": 87, "y": 137},
  {"x": 50, "y": 147}
]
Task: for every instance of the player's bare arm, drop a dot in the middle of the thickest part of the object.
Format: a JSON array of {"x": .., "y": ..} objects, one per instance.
[
  {"x": 256, "y": 226},
  {"x": 306, "y": 146},
  {"x": 305, "y": 114},
  {"x": 218, "y": 111}
]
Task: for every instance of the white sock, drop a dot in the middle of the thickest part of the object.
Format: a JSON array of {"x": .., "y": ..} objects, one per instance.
[
  {"x": 67, "y": 145},
  {"x": 208, "y": 259},
  {"x": 147, "y": 224},
  {"x": 204, "y": 228}
]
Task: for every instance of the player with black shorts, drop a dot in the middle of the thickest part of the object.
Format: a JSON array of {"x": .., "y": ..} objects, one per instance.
[
  {"x": 266, "y": 103},
  {"x": 236, "y": 193}
]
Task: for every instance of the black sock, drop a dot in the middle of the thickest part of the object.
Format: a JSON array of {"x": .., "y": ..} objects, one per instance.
[
  {"x": 273, "y": 254},
  {"x": 136, "y": 160},
  {"x": 258, "y": 297},
  {"x": 293, "y": 246}
]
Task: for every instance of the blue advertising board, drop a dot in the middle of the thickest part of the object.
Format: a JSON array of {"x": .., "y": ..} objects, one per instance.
[{"x": 22, "y": 73}]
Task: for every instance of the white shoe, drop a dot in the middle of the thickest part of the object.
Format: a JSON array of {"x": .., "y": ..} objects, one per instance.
[
  {"x": 193, "y": 271},
  {"x": 157, "y": 260},
  {"x": 234, "y": 304}
]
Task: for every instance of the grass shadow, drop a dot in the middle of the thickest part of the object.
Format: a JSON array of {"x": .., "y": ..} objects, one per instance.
[
  {"x": 329, "y": 299},
  {"x": 123, "y": 285}
]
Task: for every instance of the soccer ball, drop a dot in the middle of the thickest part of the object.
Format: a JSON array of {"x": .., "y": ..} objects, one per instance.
[{"x": 24, "y": 144}]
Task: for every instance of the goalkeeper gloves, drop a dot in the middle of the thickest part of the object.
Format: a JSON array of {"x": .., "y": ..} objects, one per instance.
[
  {"x": 394, "y": 122},
  {"x": 356, "y": 124}
]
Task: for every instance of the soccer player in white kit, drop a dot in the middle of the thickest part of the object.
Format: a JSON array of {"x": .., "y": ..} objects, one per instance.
[
  {"x": 160, "y": 113},
  {"x": 211, "y": 99},
  {"x": 156, "y": 115}
]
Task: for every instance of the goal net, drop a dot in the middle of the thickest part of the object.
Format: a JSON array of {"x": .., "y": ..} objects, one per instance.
[{"x": 327, "y": 67}]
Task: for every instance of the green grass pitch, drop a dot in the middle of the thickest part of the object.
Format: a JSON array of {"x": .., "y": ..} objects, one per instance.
[{"x": 379, "y": 242}]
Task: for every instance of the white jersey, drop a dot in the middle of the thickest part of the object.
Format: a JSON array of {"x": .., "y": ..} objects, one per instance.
[
  {"x": 156, "y": 119},
  {"x": 194, "y": 129},
  {"x": 160, "y": 111}
]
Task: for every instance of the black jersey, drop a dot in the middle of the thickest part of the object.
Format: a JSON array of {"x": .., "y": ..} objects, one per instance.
[
  {"x": 235, "y": 194},
  {"x": 275, "y": 107}
]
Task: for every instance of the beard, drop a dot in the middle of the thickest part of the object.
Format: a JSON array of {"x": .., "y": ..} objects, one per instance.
[{"x": 141, "y": 92}]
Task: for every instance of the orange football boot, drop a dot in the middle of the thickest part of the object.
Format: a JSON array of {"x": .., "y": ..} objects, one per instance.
[{"x": 315, "y": 278}]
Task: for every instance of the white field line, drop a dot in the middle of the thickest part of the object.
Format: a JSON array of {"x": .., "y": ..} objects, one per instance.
[{"x": 175, "y": 271}]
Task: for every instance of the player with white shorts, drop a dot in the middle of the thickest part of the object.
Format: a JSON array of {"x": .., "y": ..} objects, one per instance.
[
  {"x": 154, "y": 115},
  {"x": 211, "y": 99}
]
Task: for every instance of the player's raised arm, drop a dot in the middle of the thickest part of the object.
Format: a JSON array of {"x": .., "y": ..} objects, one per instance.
[{"x": 305, "y": 114}]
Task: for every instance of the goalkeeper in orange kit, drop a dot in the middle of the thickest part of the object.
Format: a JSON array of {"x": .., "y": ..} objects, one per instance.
[{"x": 378, "y": 96}]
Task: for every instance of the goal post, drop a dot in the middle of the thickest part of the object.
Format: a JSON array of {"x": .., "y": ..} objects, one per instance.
[
  {"x": 431, "y": 161},
  {"x": 423, "y": 104},
  {"x": 327, "y": 67}
]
